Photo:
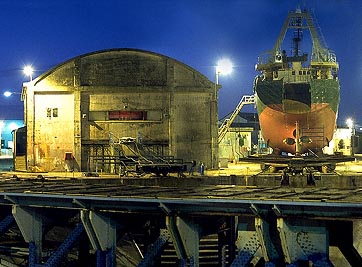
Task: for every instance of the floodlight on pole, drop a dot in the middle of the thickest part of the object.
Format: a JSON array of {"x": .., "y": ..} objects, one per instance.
[
  {"x": 28, "y": 71},
  {"x": 224, "y": 66}
]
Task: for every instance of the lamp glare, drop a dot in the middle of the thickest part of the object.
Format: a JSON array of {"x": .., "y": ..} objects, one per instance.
[{"x": 224, "y": 66}]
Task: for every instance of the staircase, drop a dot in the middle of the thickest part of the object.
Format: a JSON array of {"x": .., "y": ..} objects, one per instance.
[{"x": 223, "y": 129}]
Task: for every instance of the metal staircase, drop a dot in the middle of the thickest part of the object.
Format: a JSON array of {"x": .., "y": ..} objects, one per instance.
[
  {"x": 132, "y": 156},
  {"x": 223, "y": 129}
]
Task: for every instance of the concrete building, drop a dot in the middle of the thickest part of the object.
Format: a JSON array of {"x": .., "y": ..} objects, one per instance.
[{"x": 73, "y": 111}]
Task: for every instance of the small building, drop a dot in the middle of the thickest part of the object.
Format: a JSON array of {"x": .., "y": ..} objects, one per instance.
[
  {"x": 74, "y": 111},
  {"x": 7, "y": 128},
  {"x": 235, "y": 145},
  {"x": 240, "y": 140},
  {"x": 345, "y": 141}
]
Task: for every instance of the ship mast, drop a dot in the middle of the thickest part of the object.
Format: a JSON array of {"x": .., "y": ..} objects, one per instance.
[
  {"x": 298, "y": 35},
  {"x": 299, "y": 20}
]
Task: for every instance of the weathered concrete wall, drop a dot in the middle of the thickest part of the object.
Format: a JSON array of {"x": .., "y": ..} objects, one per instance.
[{"x": 178, "y": 103}]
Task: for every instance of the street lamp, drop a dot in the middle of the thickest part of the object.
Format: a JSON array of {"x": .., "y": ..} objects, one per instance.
[
  {"x": 28, "y": 71},
  {"x": 8, "y": 93}
]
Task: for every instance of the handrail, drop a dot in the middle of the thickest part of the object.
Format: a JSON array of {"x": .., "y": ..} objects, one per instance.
[{"x": 224, "y": 127}]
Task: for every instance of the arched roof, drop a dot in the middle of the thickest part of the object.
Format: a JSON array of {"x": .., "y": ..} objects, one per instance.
[{"x": 121, "y": 51}]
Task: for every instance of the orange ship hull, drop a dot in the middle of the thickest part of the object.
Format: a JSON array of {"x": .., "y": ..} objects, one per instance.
[{"x": 318, "y": 124}]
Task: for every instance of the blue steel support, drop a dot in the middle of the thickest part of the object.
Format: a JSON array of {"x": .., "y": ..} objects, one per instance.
[
  {"x": 101, "y": 258},
  {"x": 6, "y": 223},
  {"x": 110, "y": 259},
  {"x": 101, "y": 231},
  {"x": 155, "y": 249},
  {"x": 56, "y": 257},
  {"x": 183, "y": 263},
  {"x": 32, "y": 254}
]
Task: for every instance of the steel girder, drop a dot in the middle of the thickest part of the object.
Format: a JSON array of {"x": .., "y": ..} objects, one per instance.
[
  {"x": 155, "y": 249},
  {"x": 101, "y": 231},
  {"x": 304, "y": 240},
  {"x": 185, "y": 237},
  {"x": 30, "y": 224}
]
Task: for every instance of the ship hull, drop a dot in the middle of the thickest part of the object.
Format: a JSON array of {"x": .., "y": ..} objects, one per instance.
[
  {"x": 318, "y": 125},
  {"x": 312, "y": 106}
]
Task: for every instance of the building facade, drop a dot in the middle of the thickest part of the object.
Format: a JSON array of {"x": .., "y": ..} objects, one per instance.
[{"x": 73, "y": 112}]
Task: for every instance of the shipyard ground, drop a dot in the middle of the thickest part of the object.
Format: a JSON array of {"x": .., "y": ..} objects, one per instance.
[
  {"x": 79, "y": 220},
  {"x": 346, "y": 175}
]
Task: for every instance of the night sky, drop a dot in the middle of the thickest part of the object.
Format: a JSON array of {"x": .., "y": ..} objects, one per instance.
[{"x": 46, "y": 33}]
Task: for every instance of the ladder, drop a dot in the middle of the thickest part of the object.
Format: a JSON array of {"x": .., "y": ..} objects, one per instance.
[{"x": 224, "y": 127}]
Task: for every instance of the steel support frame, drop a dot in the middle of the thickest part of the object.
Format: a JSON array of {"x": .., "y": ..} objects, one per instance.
[
  {"x": 30, "y": 224},
  {"x": 156, "y": 249},
  {"x": 6, "y": 223},
  {"x": 268, "y": 248},
  {"x": 304, "y": 240},
  {"x": 186, "y": 238},
  {"x": 247, "y": 243},
  {"x": 56, "y": 258},
  {"x": 101, "y": 231}
]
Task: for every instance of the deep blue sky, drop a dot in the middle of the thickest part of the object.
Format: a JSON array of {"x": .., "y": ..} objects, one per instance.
[{"x": 198, "y": 33}]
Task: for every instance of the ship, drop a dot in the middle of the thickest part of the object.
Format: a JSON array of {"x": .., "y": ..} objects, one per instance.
[{"x": 297, "y": 93}]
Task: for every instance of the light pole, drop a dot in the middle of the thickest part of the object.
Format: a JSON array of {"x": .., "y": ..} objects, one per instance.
[
  {"x": 224, "y": 66},
  {"x": 1, "y": 129},
  {"x": 350, "y": 125},
  {"x": 28, "y": 71},
  {"x": 10, "y": 93}
]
